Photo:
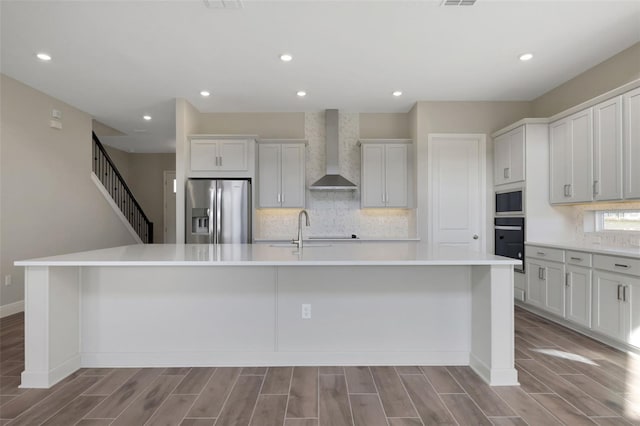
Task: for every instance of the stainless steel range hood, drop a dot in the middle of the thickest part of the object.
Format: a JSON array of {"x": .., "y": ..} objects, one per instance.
[{"x": 332, "y": 181}]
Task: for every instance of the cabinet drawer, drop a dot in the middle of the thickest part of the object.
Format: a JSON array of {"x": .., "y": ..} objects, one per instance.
[
  {"x": 578, "y": 258},
  {"x": 622, "y": 265},
  {"x": 551, "y": 254}
]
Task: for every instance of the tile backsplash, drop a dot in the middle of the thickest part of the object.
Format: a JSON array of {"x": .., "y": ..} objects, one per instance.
[
  {"x": 609, "y": 238},
  {"x": 334, "y": 213}
]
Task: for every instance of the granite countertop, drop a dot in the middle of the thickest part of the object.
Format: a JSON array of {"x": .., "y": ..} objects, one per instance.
[
  {"x": 588, "y": 247},
  {"x": 313, "y": 254}
]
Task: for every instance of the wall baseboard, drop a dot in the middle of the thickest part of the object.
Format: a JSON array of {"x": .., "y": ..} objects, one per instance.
[{"x": 11, "y": 308}]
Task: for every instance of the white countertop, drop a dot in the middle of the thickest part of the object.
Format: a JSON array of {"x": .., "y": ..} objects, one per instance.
[
  {"x": 313, "y": 254},
  {"x": 591, "y": 248}
]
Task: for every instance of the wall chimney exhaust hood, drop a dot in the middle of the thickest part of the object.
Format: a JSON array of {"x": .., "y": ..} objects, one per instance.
[{"x": 332, "y": 181}]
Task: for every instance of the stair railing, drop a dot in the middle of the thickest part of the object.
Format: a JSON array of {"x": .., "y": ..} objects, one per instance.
[{"x": 113, "y": 181}]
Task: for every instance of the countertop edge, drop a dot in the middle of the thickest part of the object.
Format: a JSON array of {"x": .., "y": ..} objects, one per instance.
[
  {"x": 276, "y": 263},
  {"x": 610, "y": 251}
]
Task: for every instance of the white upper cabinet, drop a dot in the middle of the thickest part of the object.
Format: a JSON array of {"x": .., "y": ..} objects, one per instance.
[
  {"x": 509, "y": 152},
  {"x": 281, "y": 174},
  {"x": 571, "y": 141},
  {"x": 228, "y": 155},
  {"x": 385, "y": 173},
  {"x": 631, "y": 125},
  {"x": 607, "y": 150}
]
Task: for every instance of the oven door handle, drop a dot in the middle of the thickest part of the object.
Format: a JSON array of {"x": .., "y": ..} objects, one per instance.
[{"x": 508, "y": 228}]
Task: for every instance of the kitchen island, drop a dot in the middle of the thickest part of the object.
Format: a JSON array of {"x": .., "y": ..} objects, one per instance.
[{"x": 403, "y": 303}]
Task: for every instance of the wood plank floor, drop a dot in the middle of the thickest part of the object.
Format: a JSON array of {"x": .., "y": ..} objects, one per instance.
[{"x": 565, "y": 378}]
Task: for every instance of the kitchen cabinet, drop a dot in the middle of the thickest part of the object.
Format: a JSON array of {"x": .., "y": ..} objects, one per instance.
[
  {"x": 578, "y": 295},
  {"x": 281, "y": 174},
  {"x": 571, "y": 152},
  {"x": 509, "y": 154},
  {"x": 385, "y": 173},
  {"x": 607, "y": 150},
  {"x": 615, "y": 306},
  {"x": 546, "y": 279},
  {"x": 631, "y": 137},
  {"x": 219, "y": 155}
]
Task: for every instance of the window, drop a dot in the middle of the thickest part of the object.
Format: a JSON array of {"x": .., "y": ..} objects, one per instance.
[{"x": 618, "y": 220}]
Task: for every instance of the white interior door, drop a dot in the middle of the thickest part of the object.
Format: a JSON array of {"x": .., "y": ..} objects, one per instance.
[
  {"x": 170, "y": 207},
  {"x": 457, "y": 190}
]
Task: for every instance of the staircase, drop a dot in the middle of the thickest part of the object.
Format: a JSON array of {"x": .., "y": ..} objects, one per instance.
[{"x": 106, "y": 171}]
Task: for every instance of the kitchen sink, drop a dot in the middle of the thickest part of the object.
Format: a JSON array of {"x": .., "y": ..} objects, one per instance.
[{"x": 306, "y": 245}]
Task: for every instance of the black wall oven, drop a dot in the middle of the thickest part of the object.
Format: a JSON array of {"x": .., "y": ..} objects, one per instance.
[{"x": 509, "y": 239}]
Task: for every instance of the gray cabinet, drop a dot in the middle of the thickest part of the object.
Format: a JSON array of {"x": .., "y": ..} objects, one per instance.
[
  {"x": 281, "y": 174},
  {"x": 509, "y": 153},
  {"x": 631, "y": 137},
  {"x": 384, "y": 173}
]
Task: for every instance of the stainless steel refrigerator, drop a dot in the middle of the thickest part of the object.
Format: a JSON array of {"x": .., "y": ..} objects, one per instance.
[{"x": 218, "y": 211}]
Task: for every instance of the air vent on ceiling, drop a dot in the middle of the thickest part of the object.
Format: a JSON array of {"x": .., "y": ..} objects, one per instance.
[
  {"x": 223, "y": 4},
  {"x": 458, "y": 2}
]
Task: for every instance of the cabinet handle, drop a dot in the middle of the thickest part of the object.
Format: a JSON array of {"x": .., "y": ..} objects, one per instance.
[
  {"x": 579, "y": 259},
  {"x": 540, "y": 273},
  {"x": 620, "y": 265},
  {"x": 220, "y": 161},
  {"x": 567, "y": 278},
  {"x": 541, "y": 253},
  {"x": 278, "y": 197},
  {"x": 566, "y": 194},
  {"x": 619, "y": 288},
  {"x": 505, "y": 172},
  {"x": 595, "y": 188}
]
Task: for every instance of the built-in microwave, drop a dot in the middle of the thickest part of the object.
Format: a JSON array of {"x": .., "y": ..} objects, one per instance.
[{"x": 509, "y": 203}]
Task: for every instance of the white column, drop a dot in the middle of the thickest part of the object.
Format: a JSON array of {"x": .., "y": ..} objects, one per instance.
[
  {"x": 52, "y": 329},
  {"x": 492, "y": 333}
]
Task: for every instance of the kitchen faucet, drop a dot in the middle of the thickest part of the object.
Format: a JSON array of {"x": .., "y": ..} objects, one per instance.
[{"x": 298, "y": 242}]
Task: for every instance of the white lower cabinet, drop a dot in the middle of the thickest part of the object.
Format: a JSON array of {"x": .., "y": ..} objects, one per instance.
[
  {"x": 578, "y": 295},
  {"x": 613, "y": 306},
  {"x": 545, "y": 285}
]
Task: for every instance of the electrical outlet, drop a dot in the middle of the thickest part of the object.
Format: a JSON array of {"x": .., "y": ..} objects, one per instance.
[
  {"x": 306, "y": 311},
  {"x": 7, "y": 280}
]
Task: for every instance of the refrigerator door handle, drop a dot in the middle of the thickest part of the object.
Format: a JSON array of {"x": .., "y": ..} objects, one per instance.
[{"x": 218, "y": 214}]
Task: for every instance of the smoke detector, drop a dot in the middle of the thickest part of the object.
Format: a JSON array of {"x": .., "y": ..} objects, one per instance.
[
  {"x": 223, "y": 4},
  {"x": 458, "y": 2}
]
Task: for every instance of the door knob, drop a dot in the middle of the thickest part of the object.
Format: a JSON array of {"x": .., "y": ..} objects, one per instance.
[{"x": 475, "y": 236}]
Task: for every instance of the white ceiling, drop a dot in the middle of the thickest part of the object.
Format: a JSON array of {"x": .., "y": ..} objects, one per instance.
[{"x": 118, "y": 60}]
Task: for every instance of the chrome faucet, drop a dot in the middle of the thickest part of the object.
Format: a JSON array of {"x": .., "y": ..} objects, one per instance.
[{"x": 298, "y": 242}]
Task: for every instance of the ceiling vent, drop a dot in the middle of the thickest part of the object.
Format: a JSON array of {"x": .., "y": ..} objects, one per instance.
[
  {"x": 458, "y": 2},
  {"x": 223, "y": 4}
]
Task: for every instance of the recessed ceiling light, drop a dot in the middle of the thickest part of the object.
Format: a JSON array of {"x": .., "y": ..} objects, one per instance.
[
  {"x": 397, "y": 93},
  {"x": 285, "y": 57},
  {"x": 44, "y": 56},
  {"x": 205, "y": 93},
  {"x": 526, "y": 56},
  {"x": 301, "y": 93},
  {"x": 146, "y": 117}
]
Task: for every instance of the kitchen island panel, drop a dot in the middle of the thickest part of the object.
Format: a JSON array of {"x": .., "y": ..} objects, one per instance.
[{"x": 375, "y": 309}]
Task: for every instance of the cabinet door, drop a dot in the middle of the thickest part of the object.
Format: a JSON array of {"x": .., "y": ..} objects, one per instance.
[
  {"x": 631, "y": 124},
  {"x": 293, "y": 175},
  {"x": 560, "y": 154},
  {"x": 204, "y": 155},
  {"x": 269, "y": 175},
  {"x": 608, "y": 308},
  {"x": 632, "y": 300},
  {"x": 607, "y": 150},
  {"x": 578, "y": 296},
  {"x": 582, "y": 156},
  {"x": 373, "y": 176},
  {"x": 396, "y": 175},
  {"x": 534, "y": 282},
  {"x": 516, "y": 172},
  {"x": 554, "y": 289},
  {"x": 501, "y": 154},
  {"x": 233, "y": 155}
]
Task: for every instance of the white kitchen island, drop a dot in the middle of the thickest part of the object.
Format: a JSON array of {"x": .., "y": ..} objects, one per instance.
[{"x": 241, "y": 305}]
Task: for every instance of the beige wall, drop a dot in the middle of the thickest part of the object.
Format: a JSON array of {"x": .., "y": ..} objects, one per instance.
[
  {"x": 614, "y": 72},
  {"x": 385, "y": 126},
  {"x": 267, "y": 125},
  {"x": 461, "y": 117},
  {"x": 146, "y": 181},
  {"x": 120, "y": 159},
  {"x": 187, "y": 123},
  {"x": 49, "y": 203}
]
